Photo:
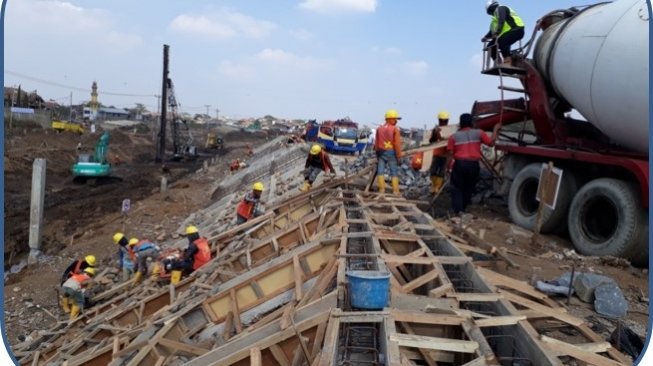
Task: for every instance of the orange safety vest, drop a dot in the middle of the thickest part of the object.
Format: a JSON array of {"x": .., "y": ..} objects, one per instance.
[
  {"x": 79, "y": 278},
  {"x": 385, "y": 138},
  {"x": 78, "y": 267},
  {"x": 416, "y": 161},
  {"x": 203, "y": 254},
  {"x": 245, "y": 209}
]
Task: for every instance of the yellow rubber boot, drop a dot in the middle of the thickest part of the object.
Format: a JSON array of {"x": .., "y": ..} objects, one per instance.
[
  {"x": 138, "y": 276},
  {"x": 395, "y": 186},
  {"x": 155, "y": 271},
  {"x": 381, "y": 182},
  {"x": 65, "y": 304},
  {"x": 437, "y": 184},
  {"x": 434, "y": 184},
  {"x": 305, "y": 187},
  {"x": 74, "y": 311},
  {"x": 175, "y": 277}
]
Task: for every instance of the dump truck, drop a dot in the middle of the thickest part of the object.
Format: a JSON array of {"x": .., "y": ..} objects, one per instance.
[{"x": 592, "y": 63}]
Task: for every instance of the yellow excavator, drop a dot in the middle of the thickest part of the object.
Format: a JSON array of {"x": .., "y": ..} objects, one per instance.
[{"x": 213, "y": 141}]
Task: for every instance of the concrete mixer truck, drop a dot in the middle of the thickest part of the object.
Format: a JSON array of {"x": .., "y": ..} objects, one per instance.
[{"x": 591, "y": 61}]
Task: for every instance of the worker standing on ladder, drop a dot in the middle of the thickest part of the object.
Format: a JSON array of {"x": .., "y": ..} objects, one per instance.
[
  {"x": 316, "y": 162},
  {"x": 465, "y": 148},
  {"x": 249, "y": 206},
  {"x": 506, "y": 28},
  {"x": 438, "y": 164},
  {"x": 388, "y": 150}
]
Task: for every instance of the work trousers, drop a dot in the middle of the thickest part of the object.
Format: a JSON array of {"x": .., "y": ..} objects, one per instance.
[
  {"x": 142, "y": 256},
  {"x": 464, "y": 176},
  {"x": 505, "y": 41},
  {"x": 311, "y": 173},
  {"x": 388, "y": 157},
  {"x": 76, "y": 295},
  {"x": 437, "y": 166}
]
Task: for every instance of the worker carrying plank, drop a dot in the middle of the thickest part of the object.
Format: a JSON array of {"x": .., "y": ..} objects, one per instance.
[
  {"x": 197, "y": 254},
  {"x": 438, "y": 164},
  {"x": 249, "y": 206},
  {"x": 74, "y": 289},
  {"x": 464, "y": 150},
  {"x": 388, "y": 150},
  {"x": 316, "y": 162}
]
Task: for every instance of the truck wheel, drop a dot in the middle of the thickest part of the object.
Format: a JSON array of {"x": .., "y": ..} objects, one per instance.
[
  {"x": 605, "y": 218},
  {"x": 523, "y": 205}
]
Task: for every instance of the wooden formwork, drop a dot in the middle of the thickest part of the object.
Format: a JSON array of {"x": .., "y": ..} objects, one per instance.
[{"x": 278, "y": 294}]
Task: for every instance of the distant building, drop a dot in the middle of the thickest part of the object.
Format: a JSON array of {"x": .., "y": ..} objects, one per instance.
[{"x": 105, "y": 113}]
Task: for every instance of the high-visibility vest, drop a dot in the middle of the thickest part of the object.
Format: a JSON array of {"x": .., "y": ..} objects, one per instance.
[
  {"x": 203, "y": 254},
  {"x": 506, "y": 27},
  {"x": 245, "y": 208},
  {"x": 417, "y": 160},
  {"x": 141, "y": 245},
  {"x": 385, "y": 138}
]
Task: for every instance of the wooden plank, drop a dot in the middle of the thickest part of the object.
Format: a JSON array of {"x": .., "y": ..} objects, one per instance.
[
  {"x": 476, "y": 297},
  {"x": 554, "y": 313},
  {"x": 564, "y": 348},
  {"x": 479, "y": 361},
  {"x": 298, "y": 273},
  {"x": 329, "y": 349},
  {"x": 235, "y": 310},
  {"x": 319, "y": 337},
  {"x": 420, "y": 281},
  {"x": 500, "y": 280},
  {"x": 435, "y": 343},
  {"x": 499, "y": 321},
  {"x": 397, "y": 259},
  {"x": 195, "y": 350},
  {"x": 255, "y": 357},
  {"x": 425, "y": 318},
  {"x": 279, "y": 355}
]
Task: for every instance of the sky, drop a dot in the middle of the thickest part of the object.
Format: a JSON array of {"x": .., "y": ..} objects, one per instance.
[{"x": 303, "y": 59}]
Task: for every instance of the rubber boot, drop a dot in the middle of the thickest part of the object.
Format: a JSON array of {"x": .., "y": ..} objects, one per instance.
[
  {"x": 65, "y": 304},
  {"x": 438, "y": 182},
  {"x": 175, "y": 277},
  {"x": 381, "y": 182},
  {"x": 434, "y": 184},
  {"x": 306, "y": 186},
  {"x": 155, "y": 272},
  {"x": 74, "y": 311},
  {"x": 137, "y": 277},
  {"x": 395, "y": 186}
]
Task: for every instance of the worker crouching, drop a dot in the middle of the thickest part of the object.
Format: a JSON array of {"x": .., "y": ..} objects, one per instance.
[
  {"x": 197, "y": 254},
  {"x": 316, "y": 162},
  {"x": 249, "y": 207},
  {"x": 140, "y": 251},
  {"x": 74, "y": 291}
]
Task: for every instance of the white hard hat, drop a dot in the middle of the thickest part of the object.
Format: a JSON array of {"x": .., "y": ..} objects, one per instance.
[{"x": 490, "y": 3}]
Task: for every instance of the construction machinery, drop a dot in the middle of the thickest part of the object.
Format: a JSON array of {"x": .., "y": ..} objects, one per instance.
[
  {"x": 341, "y": 135},
  {"x": 593, "y": 61},
  {"x": 213, "y": 141},
  {"x": 65, "y": 126},
  {"x": 94, "y": 166}
]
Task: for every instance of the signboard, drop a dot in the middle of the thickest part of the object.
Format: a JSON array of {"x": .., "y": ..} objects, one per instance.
[
  {"x": 549, "y": 185},
  {"x": 126, "y": 205}
]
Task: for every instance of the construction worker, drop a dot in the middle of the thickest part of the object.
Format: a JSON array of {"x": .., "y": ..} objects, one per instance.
[
  {"x": 249, "y": 206},
  {"x": 506, "y": 28},
  {"x": 197, "y": 254},
  {"x": 78, "y": 267},
  {"x": 388, "y": 150},
  {"x": 438, "y": 164},
  {"x": 140, "y": 251},
  {"x": 235, "y": 165},
  {"x": 316, "y": 162},
  {"x": 464, "y": 147},
  {"x": 74, "y": 289},
  {"x": 125, "y": 262}
]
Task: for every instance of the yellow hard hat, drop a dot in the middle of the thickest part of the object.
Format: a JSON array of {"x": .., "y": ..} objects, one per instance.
[
  {"x": 90, "y": 270},
  {"x": 90, "y": 259},
  {"x": 258, "y": 186},
  {"x": 315, "y": 149},
  {"x": 191, "y": 230},
  {"x": 117, "y": 237},
  {"x": 443, "y": 115},
  {"x": 133, "y": 241},
  {"x": 392, "y": 113}
]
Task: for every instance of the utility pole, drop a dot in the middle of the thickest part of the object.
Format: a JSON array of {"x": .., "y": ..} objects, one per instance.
[
  {"x": 70, "y": 114},
  {"x": 207, "y": 109},
  {"x": 164, "y": 98},
  {"x": 216, "y": 113}
]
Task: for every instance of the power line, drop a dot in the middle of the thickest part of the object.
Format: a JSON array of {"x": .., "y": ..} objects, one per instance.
[{"x": 73, "y": 87}]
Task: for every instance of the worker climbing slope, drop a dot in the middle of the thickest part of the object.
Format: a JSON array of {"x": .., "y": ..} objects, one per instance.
[
  {"x": 506, "y": 28},
  {"x": 195, "y": 256},
  {"x": 74, "y": 289},
  {"x": 388, "y": 151},
  {"x": 438, "y": 164},
  {"x": 249, "y": 206},
  {"x": 316, "y": 162}
]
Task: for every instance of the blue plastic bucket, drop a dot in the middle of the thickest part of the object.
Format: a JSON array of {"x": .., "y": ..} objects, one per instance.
[{"x": 369, "y": 289}]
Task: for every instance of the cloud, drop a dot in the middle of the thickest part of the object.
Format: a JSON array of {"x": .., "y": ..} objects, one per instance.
[
  {"x": 284, "y": 58},
  {"x": 387, "y": 50},
  {"x": 338, "y": 6},
  {"x": 222, "y": 24},
  {"x": 123, "y": 40},
  {"x": 302, "y": 34},
  {"x": 53, "y": 17},
  {"x": 239, "y": 72},
  {"x": 476, "y": 60},
  {"x": 416, "y": 68}
]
